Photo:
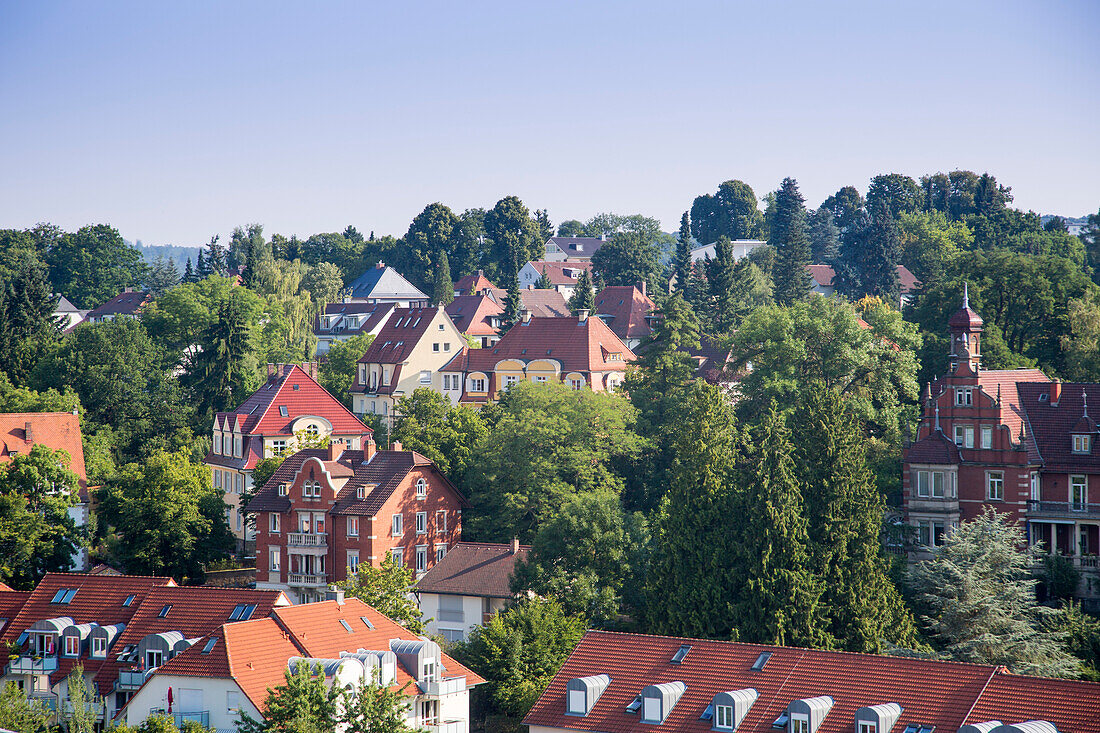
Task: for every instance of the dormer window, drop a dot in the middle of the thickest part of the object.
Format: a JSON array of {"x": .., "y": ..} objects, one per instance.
[
  {"x": 658, "y": 701},
  {"x": 1082, "y": 443},
  {"x": 99, "y": 646},
  {"x": 806, "y": 715},
  {"x": 72, "y": 646},
  {"x": 730, "y": 708},
  {"x": 583, "y": 692}
]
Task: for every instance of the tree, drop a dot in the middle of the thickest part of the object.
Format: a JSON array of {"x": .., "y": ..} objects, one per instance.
[
  {"x": 698, "y": 292},
  {"x": 627, "y": 258},
  {"x": 976, "y": 601},
  {"x": 931, "y": 245},
  {"x": 545, "y": 227},
  {"x": 80, "y": 711},
  {"x": 324, "y": 283},
  {"x": 1081, "y": 345},
  {"x": 246, "y": 246},
  {"x": 732, "y": 212},
  {"x": 1090, "y": 237},
  {"x": 202, "y": 266},
  {"x": 513, "y": 304},
  {"x": 226, "y": 370},
  {"x": 430, "y": 235},
  {"x": 681, "y": 267},
  {"x": 388, "y": 590},
  {"x": 1082, "y": 634},
  {"x": 448, "y": 435},
  {"x": 543, "y": 282},
  {"x": 27, "y": 326},
  {"x": 571, "y": 228},
  {"x": 789, "y": 237},
  {"x": 515, "y": 238},
  {"x": 302, "y": 704},
  {"x": 216, "y": 257},
  {"x": 720, "y": 279},
  {"x": 162, "y": 276},
  {"x": 189, "y": 272},
  {"x": 93, "y": 265},
  {"x": 752, "y": 288},
  {"x": 337, "y": 372},
  {"x": 21, "y": 713},
  {"x": 376, "y": 708},
  {"x": 824, "y": 236},
  {"x": 582, "y": 297},
  {"x": 846, "y": 205},
  {"x": 898, "y": 193},
  {"x": 519, "y": 651},
  {"x": 23, "y": 399},
  {"x": 171, "y": 520},
  {"x": 443, "y": 287},
  {"x": 548, "y": 443},
  {"x": 471, "y": 245}
]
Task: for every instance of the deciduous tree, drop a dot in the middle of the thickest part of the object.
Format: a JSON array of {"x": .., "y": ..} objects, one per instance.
[
  {"x": 627, "y": 258},
  {"x": 93, "y": 265},
  {"x": 449, "y": 435},
  {"x": 337, "y": 372},
  {"x": 388, "y": 590}
]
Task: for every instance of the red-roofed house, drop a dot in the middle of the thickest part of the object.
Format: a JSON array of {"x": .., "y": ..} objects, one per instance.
[
  {"x": 627, "y": 311},
  {"x": 289, "y": 402},
  {"x": 631, "y": 683},
  {"x": 127, "y": 304},
  {"x": 563, "y": 275},
  {"x": 476, "y": 284},
  {"x": 406, "y": 354},
  {"x": 824, "y": 275},
  {"x": 481, "y": 316},
  {"x": 327, "y": 510},
  {"x": 579, "y": 351},
  {"x": 468, "y": 586},
  {"x": 231, "y": 670}
]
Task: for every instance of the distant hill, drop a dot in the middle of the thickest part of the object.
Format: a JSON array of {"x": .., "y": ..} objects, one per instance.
[
  {"x": 1075, "y": 224},
  {"x": 151, "y": 252}
]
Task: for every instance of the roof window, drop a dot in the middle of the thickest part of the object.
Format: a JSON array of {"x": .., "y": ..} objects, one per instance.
[
  {"x": 164, "y": 611},
  {"x": 919, "y": 728},
  {"x": 680, "y": 654},
  {"x": 366, "y": 621},
  {"x": 64, "y": 595},
  {"x": 346, "y": 625},
  {"x": 634, "y": 704},
  {"x": 761, "y": 661},
  {"x": 297, "y": 387},
  {"x": 242, "y": 612},
  {"x": 210, "y": 644},
  {"x": 781, "y": 721},
  {"x": 129, "y": 600},
  {"x": 283, "y": 411},
  {"x": 583, "y": 692}
]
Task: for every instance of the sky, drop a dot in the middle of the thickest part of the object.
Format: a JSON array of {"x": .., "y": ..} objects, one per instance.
[{"x": 175, "y": 121}]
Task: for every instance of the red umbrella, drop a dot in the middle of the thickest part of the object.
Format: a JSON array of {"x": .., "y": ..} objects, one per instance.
[{"x": 169, "y": 699}]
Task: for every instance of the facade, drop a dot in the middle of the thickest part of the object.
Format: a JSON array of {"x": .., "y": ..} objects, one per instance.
[
  {"x": 68, "y": 315},
  {"x": 325, "y": 511},
  {"x": 382, "y": 284},
  {"x": 560, "y": 249},
  {"x": 127, "y": 304},
  {"x": 406, "y": 354},
  {"x": 563, "y": 275},
  {"x": 341, "y": 321},
  {"x": 741, "y": 248},
  {"x": 230, "y": 670},
  {"x": 580, "y": 351},
  {"x": 629, "y": 683},
  {"x": 824, "y": 275},
  {"x": 468, "y": 586},
  {"x": 627, "y": 311},
  {"x": 290, "y": 402}
]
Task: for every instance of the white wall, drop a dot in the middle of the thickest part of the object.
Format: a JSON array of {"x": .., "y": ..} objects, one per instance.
[
  {"x": 472, "y": 608},
  {"x": 155, "y": 695}
]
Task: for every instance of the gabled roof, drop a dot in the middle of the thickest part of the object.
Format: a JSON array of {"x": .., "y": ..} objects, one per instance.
[
  {"x": 940, "y": 695},
  {"x": 383, "y": 283},
  {"x": 339, "y": 315},
  {"x": 540, "y": 301},
  {"x": 1006, "y": 382},
  {"x": 624, "y": 309},
  {"x": 397, "y": 339},
  {"x": 11, "y": 603},
  {"x": 577, "y": 246},
  {"x": 1051, "y": 428},
  {"x": 474, "y": 569},
  {"x": 473, "y": 284},
  {"x": 55, "y": 430},
  {"x": 127, "y": 303},
  {"x": 823, "y": 275},
  {"x": 65, "y": 306},
  {"x": 472, "y": 314},
  {"x": 556, "y": 270}
]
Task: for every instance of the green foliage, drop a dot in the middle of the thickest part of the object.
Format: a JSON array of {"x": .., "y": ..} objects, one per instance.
[
  {"x": 443, "y": 288},
  {"x": 515, "y": 238},
  {"x": 543, "y": 283},
  {"x": 387, "y": 590},
  {"x": 23, "y": 399},
  {"x": 519, "y": 651},
  {"x": 869, "y": 256},
  {"x": 549, "y": 443},
  {"x": 571, "y": 228},
  {"x": 898, "y": 193},
  {"x": 93, "y": 265},
  {"x": 337, "y": 373},
  {"x": 27, "y": 326},
  {"x": 582, "y": 297},
  {"x": 170, "y": 518},
  {"x": 628, "y": 258},
  {"x": 22, "y": 714},
  {"x": 976, "y": 600},
  {"x": 1082, "y": 639},
  {"x": 161, "y": 724},
  {"x": 930, "y": 244},
  {"x": 681, "y": 267},
  {"x": 429, "y": 238},
  {"x": 1059, "y": 576},
  {"x": 791, "y": 240},
  {"x": 449, "y": 435},
  {"x": 846, "y": 206},
  {"x": 302, "y": 704},
  {"x": 1081, "y": 346},
  {"x": 161, "y": 276},
  {"x": 731, "y": 212},
  {"x": 720, "y": 280},
  {"x": 375, "y": 708},
  {"x": 324, "y": 283},
  {"x": 80, "y": 711},
  {"x": 824, "y": 236}
]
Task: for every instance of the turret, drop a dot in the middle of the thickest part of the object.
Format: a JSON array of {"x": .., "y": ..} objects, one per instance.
[{"x": 965, "y": 327}]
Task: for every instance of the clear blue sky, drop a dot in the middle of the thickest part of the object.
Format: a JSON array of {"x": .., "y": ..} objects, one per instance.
[{"x": 176, "y": 121}]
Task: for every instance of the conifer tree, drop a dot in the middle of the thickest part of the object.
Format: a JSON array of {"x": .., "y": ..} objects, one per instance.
[
  {"x": 698, "y": 294},
  {"x": 780, "y": 602},
  {"x": 513, "y": 304},
  {"x": 216, "y": 257},
  {"x": 682, "y": 263},
  {"x": 844, "y": 509},
  {"x": 824, "y": 237},
  {"x": 792, "y": 244},
  {"x": 202, "y": 266},
  {"x": 720, "y": 278},
  {"x": 868, "y": 262},
  {"x": 443, "y": 288},
  {"x": 188, "y": 272},
  {"x": 582, "y": 297},
  {"x": 544, "y": 280},
  {"x": 752, "y": 288}
]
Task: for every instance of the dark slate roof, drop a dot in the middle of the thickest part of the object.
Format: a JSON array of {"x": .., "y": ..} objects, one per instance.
[
  {"x": 128, "y": 303},
  {"x": 577, "y": 246},
  {"x": 1051, "y": 428},
  {"x": 474, "y": 569},
  {"x": 381, "y": 282},
  {"x": 937, "y": 448}
]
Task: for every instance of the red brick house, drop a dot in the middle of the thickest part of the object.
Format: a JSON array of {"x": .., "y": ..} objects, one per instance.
[{"x": 324, "y": 511}]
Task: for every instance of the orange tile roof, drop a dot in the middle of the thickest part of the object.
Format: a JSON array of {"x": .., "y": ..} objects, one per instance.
[
  {"x": 472, "y": 314},
  {"x": 55, "y": 430},
  {"x": 473, "y": 284},
  {"x": 397, "y": 339},
  {"x": 624, "y": 309}
]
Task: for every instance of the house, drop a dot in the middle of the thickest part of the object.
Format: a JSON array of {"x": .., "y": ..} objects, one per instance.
[
  {"x": 466, "y": 587},
  {"x": 324, "y": 511},
  {"x": 127, "y": 304},
  {"x": 579, "y": 351},
  {"x": 741, "y": 248},
  {"x": 289, "y": 402},
  {"x": 230, "y": 671},
  {"x": 21, "y": 431},
  {"x": 538, "y": 301},
  {"x": 563, "y": 275},
  {"x": 475, "y": 284},
  {"x": 560, "y": 249},
  {"x": 823, "y": 277},
  {"x": 630, "y": 683},
  {"x": 481, "y": 316},
  {"x": 407, "y": 353},
  {"x": 627, "y": 310},
  {"x": 68, "y": 315},
  {"x": 1009, "y": 439},
  {"x": 382, "y": 284},
  {"x": 341, "y": 321}
]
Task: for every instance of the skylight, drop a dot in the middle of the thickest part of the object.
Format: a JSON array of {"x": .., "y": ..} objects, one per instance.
[
  {"x": 63, "y": 595},
  {"x": 164, "y": 611},
  {"x": 129, "y": 600},
  {"x": 283, "y": 411},
  {"x": 366, "y": 620},
  {"x": 781, "y": 721},
  {"x": 210, "y": 643},
  {"x": 346, "y": 625},
  {"x": 680, "y": 654},
  {"x": 708, "y": 713},
  {"x": 761, "y": 661},
  {"x": 69, "y": 594},
  {"x": 634, "y": 705},
  {"x": 242, "y": 612}
]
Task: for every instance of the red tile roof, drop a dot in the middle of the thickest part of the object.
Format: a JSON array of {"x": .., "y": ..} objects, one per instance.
[
  {"x": 556, "y": 270},
  {"x": 128, "y": 303},
  {"x": 473, "y": 284},
  {"x": 55, "y": 430},
  {"x": 11, "y": 602},
  {"x": 540, "y": 301},
  {"x": 395, "y": 342},
  {"x": 941, "y": 695},
  {"x": 473, "y": 314},
  {"x": 823, "y": 275},
  {"x": 624, "y": 310},
  {"x": 1050, "y": 428},
  {"x": 474, "y": 569},
  {"x": 936, "y": 448}
]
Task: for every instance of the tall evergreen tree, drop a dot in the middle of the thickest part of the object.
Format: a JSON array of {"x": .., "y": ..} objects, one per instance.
[
  {"x": 583, "y": 296},
  {"x": 513, "y": 304},
  {"x": 202, "y": 266},
  {"x": 27, "y": 325},
  {"x": 720, "y": 279},
  {"x": 824, "y": 237},
  {"x": 443, "y": 288},
  {"x": 792, "y": 244},
  {"x": 216, "y": 257},
  {"x": 752, "y": 288},
  {"x": 682, "y": 263},
  {"x": 698, "y": 293},
  {"x": 868, "y": 262},
  {"x": 189, "y": 272},
  {"x": 543, "y": 282}
]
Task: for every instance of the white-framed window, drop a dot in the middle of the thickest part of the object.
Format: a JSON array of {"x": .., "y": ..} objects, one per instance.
[
  {"x": 938, "y": 485},
  {"x": 1036, "y": 490},
  {"x": 275, "y": 554},
  {"x": 441, "y": 520},
  {"x": 576, "y": 702},
  {"x": 360, "y": 492},
  {"x": 964, "y": 436},
  {"x": 239, "y": 521},
  {"x": 99, "y": 646},
  {"x": 651, "y": 709},
  {"x": 987, "y": 437},
  {"x": 800, "y": 723},
  {"x": 353, "y": 560},
  {"x": 964, "y": 396},
  {"x": 319, "y": 522},
  {"x": 429, "y": 712},
  {"x": 447, "y": 346},
  {"x": 995, "y": 485},
  {"x": 924, "y": 483},
  {"x": 477, "y": 385},
  {"x": 232, "y": 702},
  {"x": 398, "y": 557},
  {"x": 217, "y": 479},
  {"x": 421, "y": 557},
  {"x": 1081, "y": 443},
  {"x": 931, "y": 534},
  {"x": 576, "y": 383},
  {"x": 398, "y": 527},
  {"x": 435, "y": 347},
  {"x": 440, "y": 551},
  {"x": 540, "y": 379},
  {"x": 217, "y": 442},
  {"x": 446, "y": 382},
  {"x": 72, "y": 646},
  {"x": 425, "y": 377},
  {"x": 304, "y": 521},
  {"x": 282, "y": 490},
  {"x": 238, "y": 483},
  {"x": 509, "y": 380},
  {"x": 422, "y": 523},
  {"x": 278, "y": 447},
  {"x": 868, "y": 726},
  {"x": 353, "y": 526},
  {"x": 1078, "y": 493},
  {"x": 153, "y": 658},
  {"x": 273, "y": 522},
  {"x": 363, "y": 374},
  {"x": 723, "y": 716},
  {"x": 421, "y": 488},
  {"x": 238, "y": 446}
]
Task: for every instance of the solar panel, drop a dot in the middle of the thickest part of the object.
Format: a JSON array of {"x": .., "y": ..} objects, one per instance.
[{"x": 634, "y": 705}]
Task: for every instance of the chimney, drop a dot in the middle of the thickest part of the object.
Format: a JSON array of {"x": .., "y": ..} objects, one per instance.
[
  {"x": 1055, "y": 392},
  {"x": 335, "y": 594},
  {"x": 381, "y": 265},
  {"x": 395, "y": 445},
  {"x": 270, "y": 371},
  {"x": 369, "y": 450},
  {"x": 641, "y": 286},
  {"x": 582, "y": 315},
  {"x": 336, "y": 447},
  {"x": 525, "y": 314},
  {"x": 515, "y": 545},
  {"x": 28, "y": 432}
]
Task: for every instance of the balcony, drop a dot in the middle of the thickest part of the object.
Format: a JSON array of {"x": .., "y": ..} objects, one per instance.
[
  {"x": 306, "y": 580},
  {"x": 1063, "y": 510},
  {"x": 439, "y": 688},
  {"x": 201, "y": 717},
  {"x": 32, "y": 665},
  {"x": 131, "y": 679},
  {"x": 306, "y": 539},
  {"x": 447, "y": 726}
]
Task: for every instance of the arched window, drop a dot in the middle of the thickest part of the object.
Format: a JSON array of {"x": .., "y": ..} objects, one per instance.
[{"x": 421, "y": 488}]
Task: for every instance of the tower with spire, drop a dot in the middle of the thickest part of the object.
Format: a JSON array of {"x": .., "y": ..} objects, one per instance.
[{"x": 965, "y": 327}]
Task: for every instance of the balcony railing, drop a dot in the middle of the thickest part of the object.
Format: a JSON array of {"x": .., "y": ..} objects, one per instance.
[
  {"x": 202, "y": 716},
  {"x": 447, "y": 686},
  {"x": 447, "y": 726},
  {"x": 131, "y": 679},
  {"x": 306, "y": 580},
  {"x": 1063, "y": 508},
  {"x": 32, "y": 665},
  {"x": 306, "y": 539}
]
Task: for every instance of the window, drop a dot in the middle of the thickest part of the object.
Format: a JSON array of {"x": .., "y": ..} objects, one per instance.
[
  {"x": 238, "y": 446},
  {"x": 283, "y": 411},
  {"x": 304, "y": 522},
  {"x": 99, "y": 646},
  {"x": 429, "y": 712},
  {"x": 72, "y": 646},
  {"x": 509, "y": 380},
  {"x": 275, "y": 557},
  {"x": 278, "y": 447},
  {"x": 210, "y": 644},
  {"x": 282, "y": 489},
  {"x": 441, "y": 520},
  {"x": 164, "y": 611},
  {"x": 238, "y": 521},
  {"x": 868, "y": 726},
  {"x": 153, "y": 658},
  {"x": 422, "y": 523},
  {"x": 540, "y": 379},
  {"x": 1036, "y": 491},
  {"x": 274, "y": 519},
  {"x": 477, "y": 385},
  {"x": 1078, "y": 493},
  {"x": 398, "y": 558},
  {"x": 1081, "y": 443},
  {"x": 937, "y": 484},
  {"x": 353, "y": 560},
  {"x": 924, "y": 534},
  {"x": 987, "y": 437},
  {"x": 964, "y": 396},
  {"x": 217, "y": 479},
  {"x": 129, "y": 600},
  {"x": 651, "y": 709},
  {"x": 995, "y": 485},
  {"x": 425, "y": 377},
  {"x": 238, "y": 483},
  {"x": 232, "y": 701},
  {"x": 421, "y": 557},
  {"x": 800, "y": 724},
  {"x": 353, "y": 526},
  {"x": 723, "y": 716},
  {"x": 923, "y": 483},
  {"x": 964, "y": 436},
  {"x": 447, "y": 346},
  {"x": 576, "y": 383},
  {"x": 440, "y": 551},
  {"x": 217, "y": 443},
  {"x": 446, "y": 382},
  {"x": 398, "y": 530},
  {"x": 360, "y": 492},
  {"x": 421, "y": 488},
  {"x": 435, "y": 347},
  {"x": 576, "y": 702}
]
